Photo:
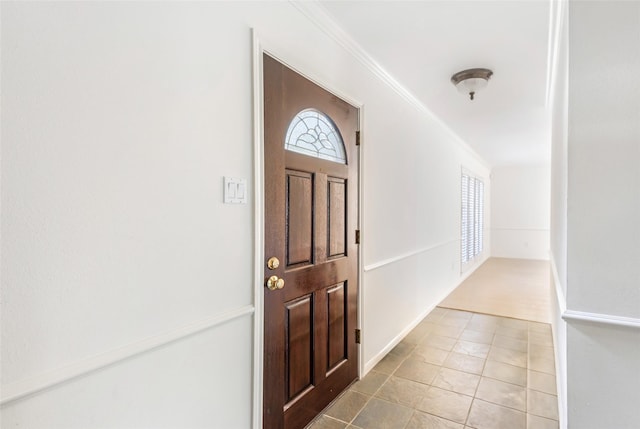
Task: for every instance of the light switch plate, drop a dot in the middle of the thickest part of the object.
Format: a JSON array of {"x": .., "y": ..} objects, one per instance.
[{"x": 235, "y": 190}]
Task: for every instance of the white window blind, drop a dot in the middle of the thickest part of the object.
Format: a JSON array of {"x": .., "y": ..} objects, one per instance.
[{"x": 472, "y": 217}]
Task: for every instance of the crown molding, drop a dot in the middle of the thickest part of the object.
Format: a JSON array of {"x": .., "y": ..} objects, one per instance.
[{"x": 317, "y": 14}]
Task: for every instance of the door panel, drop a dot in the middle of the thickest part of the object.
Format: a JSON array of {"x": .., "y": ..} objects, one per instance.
[
  {"x": 336, "y": 217},
  {"x": 310, "y": 220},
  {"x": 299, "y": 340},
  {"x": 299, "y": 218},
  {"x": 337, "y": 327}
]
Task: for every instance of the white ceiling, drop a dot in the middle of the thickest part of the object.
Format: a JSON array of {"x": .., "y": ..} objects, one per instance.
[{"x": 422, "y": 43}]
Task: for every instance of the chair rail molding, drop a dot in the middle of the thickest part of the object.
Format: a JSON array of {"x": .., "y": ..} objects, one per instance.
[
  {"x": 572, "y": 316},
  {"x": 607, "y": 319},
  {"x": 31, "y": 385},
  {"x": 400, "y": 257}
]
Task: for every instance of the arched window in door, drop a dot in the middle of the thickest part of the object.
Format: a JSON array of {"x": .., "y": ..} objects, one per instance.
[{"x": 313, "y": 133}]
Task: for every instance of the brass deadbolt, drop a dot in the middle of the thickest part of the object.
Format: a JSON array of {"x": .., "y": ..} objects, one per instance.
[{"x": 273, "y": 263}]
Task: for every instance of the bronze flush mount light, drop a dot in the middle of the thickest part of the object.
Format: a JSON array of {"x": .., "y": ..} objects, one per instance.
[{"x": 472, "y": 80}]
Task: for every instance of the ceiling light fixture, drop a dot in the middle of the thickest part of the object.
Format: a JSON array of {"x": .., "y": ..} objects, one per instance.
[{"x": 472, "y": 80}]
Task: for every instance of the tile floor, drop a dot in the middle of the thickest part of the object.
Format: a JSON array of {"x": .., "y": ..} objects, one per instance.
[{"x": 456, "y": 370}]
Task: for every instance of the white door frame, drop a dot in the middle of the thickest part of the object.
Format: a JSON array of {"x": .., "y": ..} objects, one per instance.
[{"x": 258, "y": 50}]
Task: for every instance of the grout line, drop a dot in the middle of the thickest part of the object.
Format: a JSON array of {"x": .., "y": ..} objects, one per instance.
[
  {"x": 312, "y": 422},
  {"x": 484, "y": 366},
  {"x": 437, "y": 322},
  {"x": 376, "y": 391}
]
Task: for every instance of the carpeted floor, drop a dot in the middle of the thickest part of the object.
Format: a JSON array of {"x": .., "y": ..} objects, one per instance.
[{"x": 518, "y": 288}]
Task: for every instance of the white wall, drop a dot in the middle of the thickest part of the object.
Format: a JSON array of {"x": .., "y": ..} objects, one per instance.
[
  {"x": 119, "y": 121},
  {"x": 520, "y": 197},
  {"x": 603, "y": 262},
  {"x": 599, "y": 177},
  {"x": 604, "y": 155}
]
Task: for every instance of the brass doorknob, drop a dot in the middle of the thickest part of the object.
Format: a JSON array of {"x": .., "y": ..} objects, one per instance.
[{"x": 275, "y": 283}]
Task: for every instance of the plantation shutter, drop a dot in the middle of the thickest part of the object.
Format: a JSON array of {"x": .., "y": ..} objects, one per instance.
[
  {"x": 464, "y": 218},
  {"x": 472, "y": 218}
]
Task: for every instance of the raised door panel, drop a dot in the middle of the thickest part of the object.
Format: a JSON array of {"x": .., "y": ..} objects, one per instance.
[
  {"x": 336, "y": 326},
  {"x": 299, "y": 218},
  {"x": 336, "y": 217},
  {"x": 299, "y": 350}
]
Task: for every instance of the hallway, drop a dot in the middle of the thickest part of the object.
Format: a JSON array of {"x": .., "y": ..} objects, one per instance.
[
  {"x": 459, "y": 369},
  {"x": 134, "y": 209}
]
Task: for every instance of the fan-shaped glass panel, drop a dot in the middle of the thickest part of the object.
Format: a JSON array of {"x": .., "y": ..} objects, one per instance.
[{"x": 314, "y": 134}]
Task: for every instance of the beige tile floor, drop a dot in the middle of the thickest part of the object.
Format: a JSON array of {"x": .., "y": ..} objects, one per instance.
[
  {"x": 456, "y": 370},
  {"x": 518, "y": 288},
  {"x": 483, "y": 360}
]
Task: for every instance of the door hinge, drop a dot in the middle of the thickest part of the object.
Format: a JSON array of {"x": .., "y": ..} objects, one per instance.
[
  {"x": 358, "y": 336},
  {"x": 357, "y": 138},
  {"x": 357, "y": 236}
]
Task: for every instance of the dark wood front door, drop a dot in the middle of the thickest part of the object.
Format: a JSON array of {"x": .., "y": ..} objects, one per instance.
[{"x": 311, "y": 203}]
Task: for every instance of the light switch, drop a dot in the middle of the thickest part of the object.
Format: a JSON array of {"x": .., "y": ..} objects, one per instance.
[
  {"x": 235, "y": 190},
  {"x": 231, "y": 190}
]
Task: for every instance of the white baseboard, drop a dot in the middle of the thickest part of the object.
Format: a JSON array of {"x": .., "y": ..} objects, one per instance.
[
  {"x": 371, "y": 363},
  {"x": 394, "y": 342}
]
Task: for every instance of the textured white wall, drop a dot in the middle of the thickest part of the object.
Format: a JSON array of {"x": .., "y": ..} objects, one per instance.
[
  {"x": 119, "y": 121},
  {"x": 520, "y": 197},
  {"x": 603, "y": 375},
  {"x": 201, "y": 381},
  {"x": 595, "y": 207},
  {"x": 411, "y": 206},
  {"x": 604, "y": 155},
  {"x": 114, "y": 144}
]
